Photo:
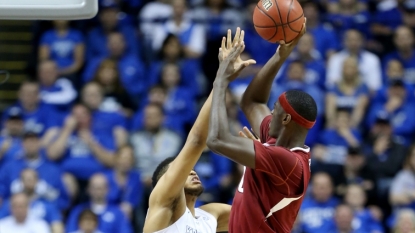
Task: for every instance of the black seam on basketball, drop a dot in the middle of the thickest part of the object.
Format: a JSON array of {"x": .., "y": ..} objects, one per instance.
[
  {"x": 294, "y": 21},
  {"x": 276, "y": 27},
  {"x": 276, "y": 4}
]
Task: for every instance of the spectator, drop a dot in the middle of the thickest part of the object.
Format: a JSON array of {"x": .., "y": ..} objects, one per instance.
[
  {"x": 405, "y": 222},
  {"x": 350, "y": 93},
  {"x": 116, "y": 99},
  {"x": 364, "y": 220},
  {"x": 334, "y": 142},
  {"x": 398, "y": 109},
  {"x": 323, "y": 34},
  {"x": 98, "y": 37},
  {"x": 55, "y": 91},
  {"x": 317, "y": 210},
  {"x": 50, "y": 176},
  {"x": 11, "y": 139},
  {"x": 172, "y": 51},
  {"x": 87, "y": 222},
  {"x": 405, "y": 52},
  {"x": 19, "y": 221},
  {"x": 369, "y": 64},
  {"x": 65, "y": 46},
  {"x": 130, "y": 67},
  {"x": 349, "y": 14},
  {"x": 37, "y": 116},
  {"x": 315, "y": 70},
  {"x": 154, "y": 143},
  {"x": 153, "y": 15},
  {"x": 191, "y": 35},
  {"x": 125, "y": 188},
  {"x": 80, "y": 148},
  {"x": 38, "y": 208},
  {"x": 343, "y": 221},
  {"x": 111, "y": 219}
]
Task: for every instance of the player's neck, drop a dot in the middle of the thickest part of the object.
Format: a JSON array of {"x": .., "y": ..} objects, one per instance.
[
  {"x": 290, "y": 140},
  {"x": 190, "y": 203}
]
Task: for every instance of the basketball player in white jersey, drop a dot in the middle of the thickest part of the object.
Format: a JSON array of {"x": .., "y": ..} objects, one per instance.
[{"x": 176, "y": 184}]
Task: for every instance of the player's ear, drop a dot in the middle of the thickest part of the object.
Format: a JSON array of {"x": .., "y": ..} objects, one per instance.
[{"x": 287, "y": 119}]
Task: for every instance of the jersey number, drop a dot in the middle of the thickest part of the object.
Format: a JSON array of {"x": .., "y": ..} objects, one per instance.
[{"x": 241, "y": 184}]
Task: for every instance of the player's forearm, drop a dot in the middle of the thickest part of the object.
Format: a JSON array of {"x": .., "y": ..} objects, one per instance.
[
  {"x": 199, "y": 132},
  {"x": 259, "y": 89},
  {"x": 219, "y": 127}
]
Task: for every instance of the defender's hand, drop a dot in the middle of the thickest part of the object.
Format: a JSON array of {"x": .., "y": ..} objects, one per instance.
[{"x": 246, "y": 133}]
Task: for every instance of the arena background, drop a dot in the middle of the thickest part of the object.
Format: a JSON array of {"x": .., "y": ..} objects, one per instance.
[{"x": 92, "y": 106}]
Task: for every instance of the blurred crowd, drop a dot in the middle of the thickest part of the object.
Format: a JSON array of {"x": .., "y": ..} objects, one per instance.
[{"x": 115, "y": 95}]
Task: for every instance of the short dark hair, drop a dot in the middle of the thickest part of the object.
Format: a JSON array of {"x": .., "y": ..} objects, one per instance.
[
  {"x": 160, "y": 170},
  {"x": 302, "y": 103}
]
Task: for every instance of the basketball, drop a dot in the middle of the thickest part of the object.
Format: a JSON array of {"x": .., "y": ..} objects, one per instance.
[{"x": 277, "y": 20}]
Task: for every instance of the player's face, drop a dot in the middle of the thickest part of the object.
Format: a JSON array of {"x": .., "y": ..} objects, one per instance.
[
  {"x": 275, "y": 126},
  {"x": 193, "y": 185}
]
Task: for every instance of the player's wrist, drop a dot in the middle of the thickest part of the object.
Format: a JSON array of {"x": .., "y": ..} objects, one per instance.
[{"x": 220, "y": 83}]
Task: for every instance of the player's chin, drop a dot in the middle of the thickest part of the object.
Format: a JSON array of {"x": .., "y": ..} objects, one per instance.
[{"x": 194, "y": 189}]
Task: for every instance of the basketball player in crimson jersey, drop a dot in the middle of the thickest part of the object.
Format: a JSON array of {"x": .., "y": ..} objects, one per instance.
[
  {"x": 176, "y": 184},
  {"x": 277, "y": 169}
]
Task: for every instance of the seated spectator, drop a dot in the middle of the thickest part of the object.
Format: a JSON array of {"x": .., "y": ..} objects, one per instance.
[
  {"x": 11, "y": 137},
  {"x": 191, "y": 35},
  {"x": 349, "y": 93},
  {"x": 317, "y": 209},
  {"x": 398, "y": 109},
  {"x": 325, "y": 38},
  {"x": 364, "y": 220},
  {"x": 152, "y": 15},
  {"x": 19, "y": 222},
  {"x": 369, "y": 63},
  {"x": 98, "y": 37},
  {"x": 405, "y": 52},
  {"x": 172, "y": 51},
  {"x": 87, "y": 222},
  {"x": 116, "y": 99},
  {"x": 349, "y": 14},
  {"x": 55, "y": 91},
  {"x": 315, "y": 70},
  {"x": 334, "y": 142},
  {"x": 125, "y": 188},
  {"x": 405, "y": 222},
  {"x": 38, "y": 208},
  {"x": 130, "y": 67},
  {"x": 81, "y": 149},
  {"x": 65, "y": 46},
  {"x": 343, "y": 220},
  {"x": 154, "y": 143},
  {"x": 37, "y": 116},
  {"x": 111, "y": 218},
  {"x": 50, "y": 176}
]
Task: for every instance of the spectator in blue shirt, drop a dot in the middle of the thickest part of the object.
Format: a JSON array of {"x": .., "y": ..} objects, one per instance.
[
  {"x": 317, "y": 209},
  {"x": 116, "y": 98},
  {"x": 80, "y": 149},
  {"x": 65, "y": 46},
  {"x": 11, "y": 138},
  {"x": 130, "y": 67},
  {"x": 125, "y": 187},
  {"x": 350, "y": 93},
  {"x": 111, "y": 218},
  {"x": 364, "y": 220},
  {"x": 405, "y": 52},
  {"x": 87, "y": 222},
  {"x": 326, "y": 41},
  {"x": 315, "y": 70},
  {"x": 38, "y": 208},
  {"x": 98, "y": 37},
  {"x": 54, "y": 91},
  {"x": 343, "y": 221},
  {"x": 51, "y": 187},
  {"x": 37, "y": 116},
  {"x": 172, "y": 51}
]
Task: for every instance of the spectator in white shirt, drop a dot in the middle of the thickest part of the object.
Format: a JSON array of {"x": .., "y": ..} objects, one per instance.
[
  {"x": 369, "y": 63},
  {"x": 18, "y": 222}
]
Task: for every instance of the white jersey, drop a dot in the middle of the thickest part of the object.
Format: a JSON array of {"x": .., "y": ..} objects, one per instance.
[{"x": 203, "y": 223}]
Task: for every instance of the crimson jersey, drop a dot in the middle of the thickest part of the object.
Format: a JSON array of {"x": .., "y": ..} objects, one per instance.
[{"x": 269, "y": 197}]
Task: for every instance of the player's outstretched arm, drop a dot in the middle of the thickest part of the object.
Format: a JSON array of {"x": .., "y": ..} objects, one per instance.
[
  {"x": 254, "y": 100},
  {"x": 220, "y": 140}
]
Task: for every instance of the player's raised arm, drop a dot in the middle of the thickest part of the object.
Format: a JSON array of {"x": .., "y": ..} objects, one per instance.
[{"x": 254, "y": 100}]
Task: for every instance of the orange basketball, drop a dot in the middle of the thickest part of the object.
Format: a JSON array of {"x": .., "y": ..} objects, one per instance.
[{"x": 277, "y": 20}]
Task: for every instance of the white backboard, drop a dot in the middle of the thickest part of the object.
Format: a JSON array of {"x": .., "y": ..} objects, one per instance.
[{"x": 48, "y": 9}]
